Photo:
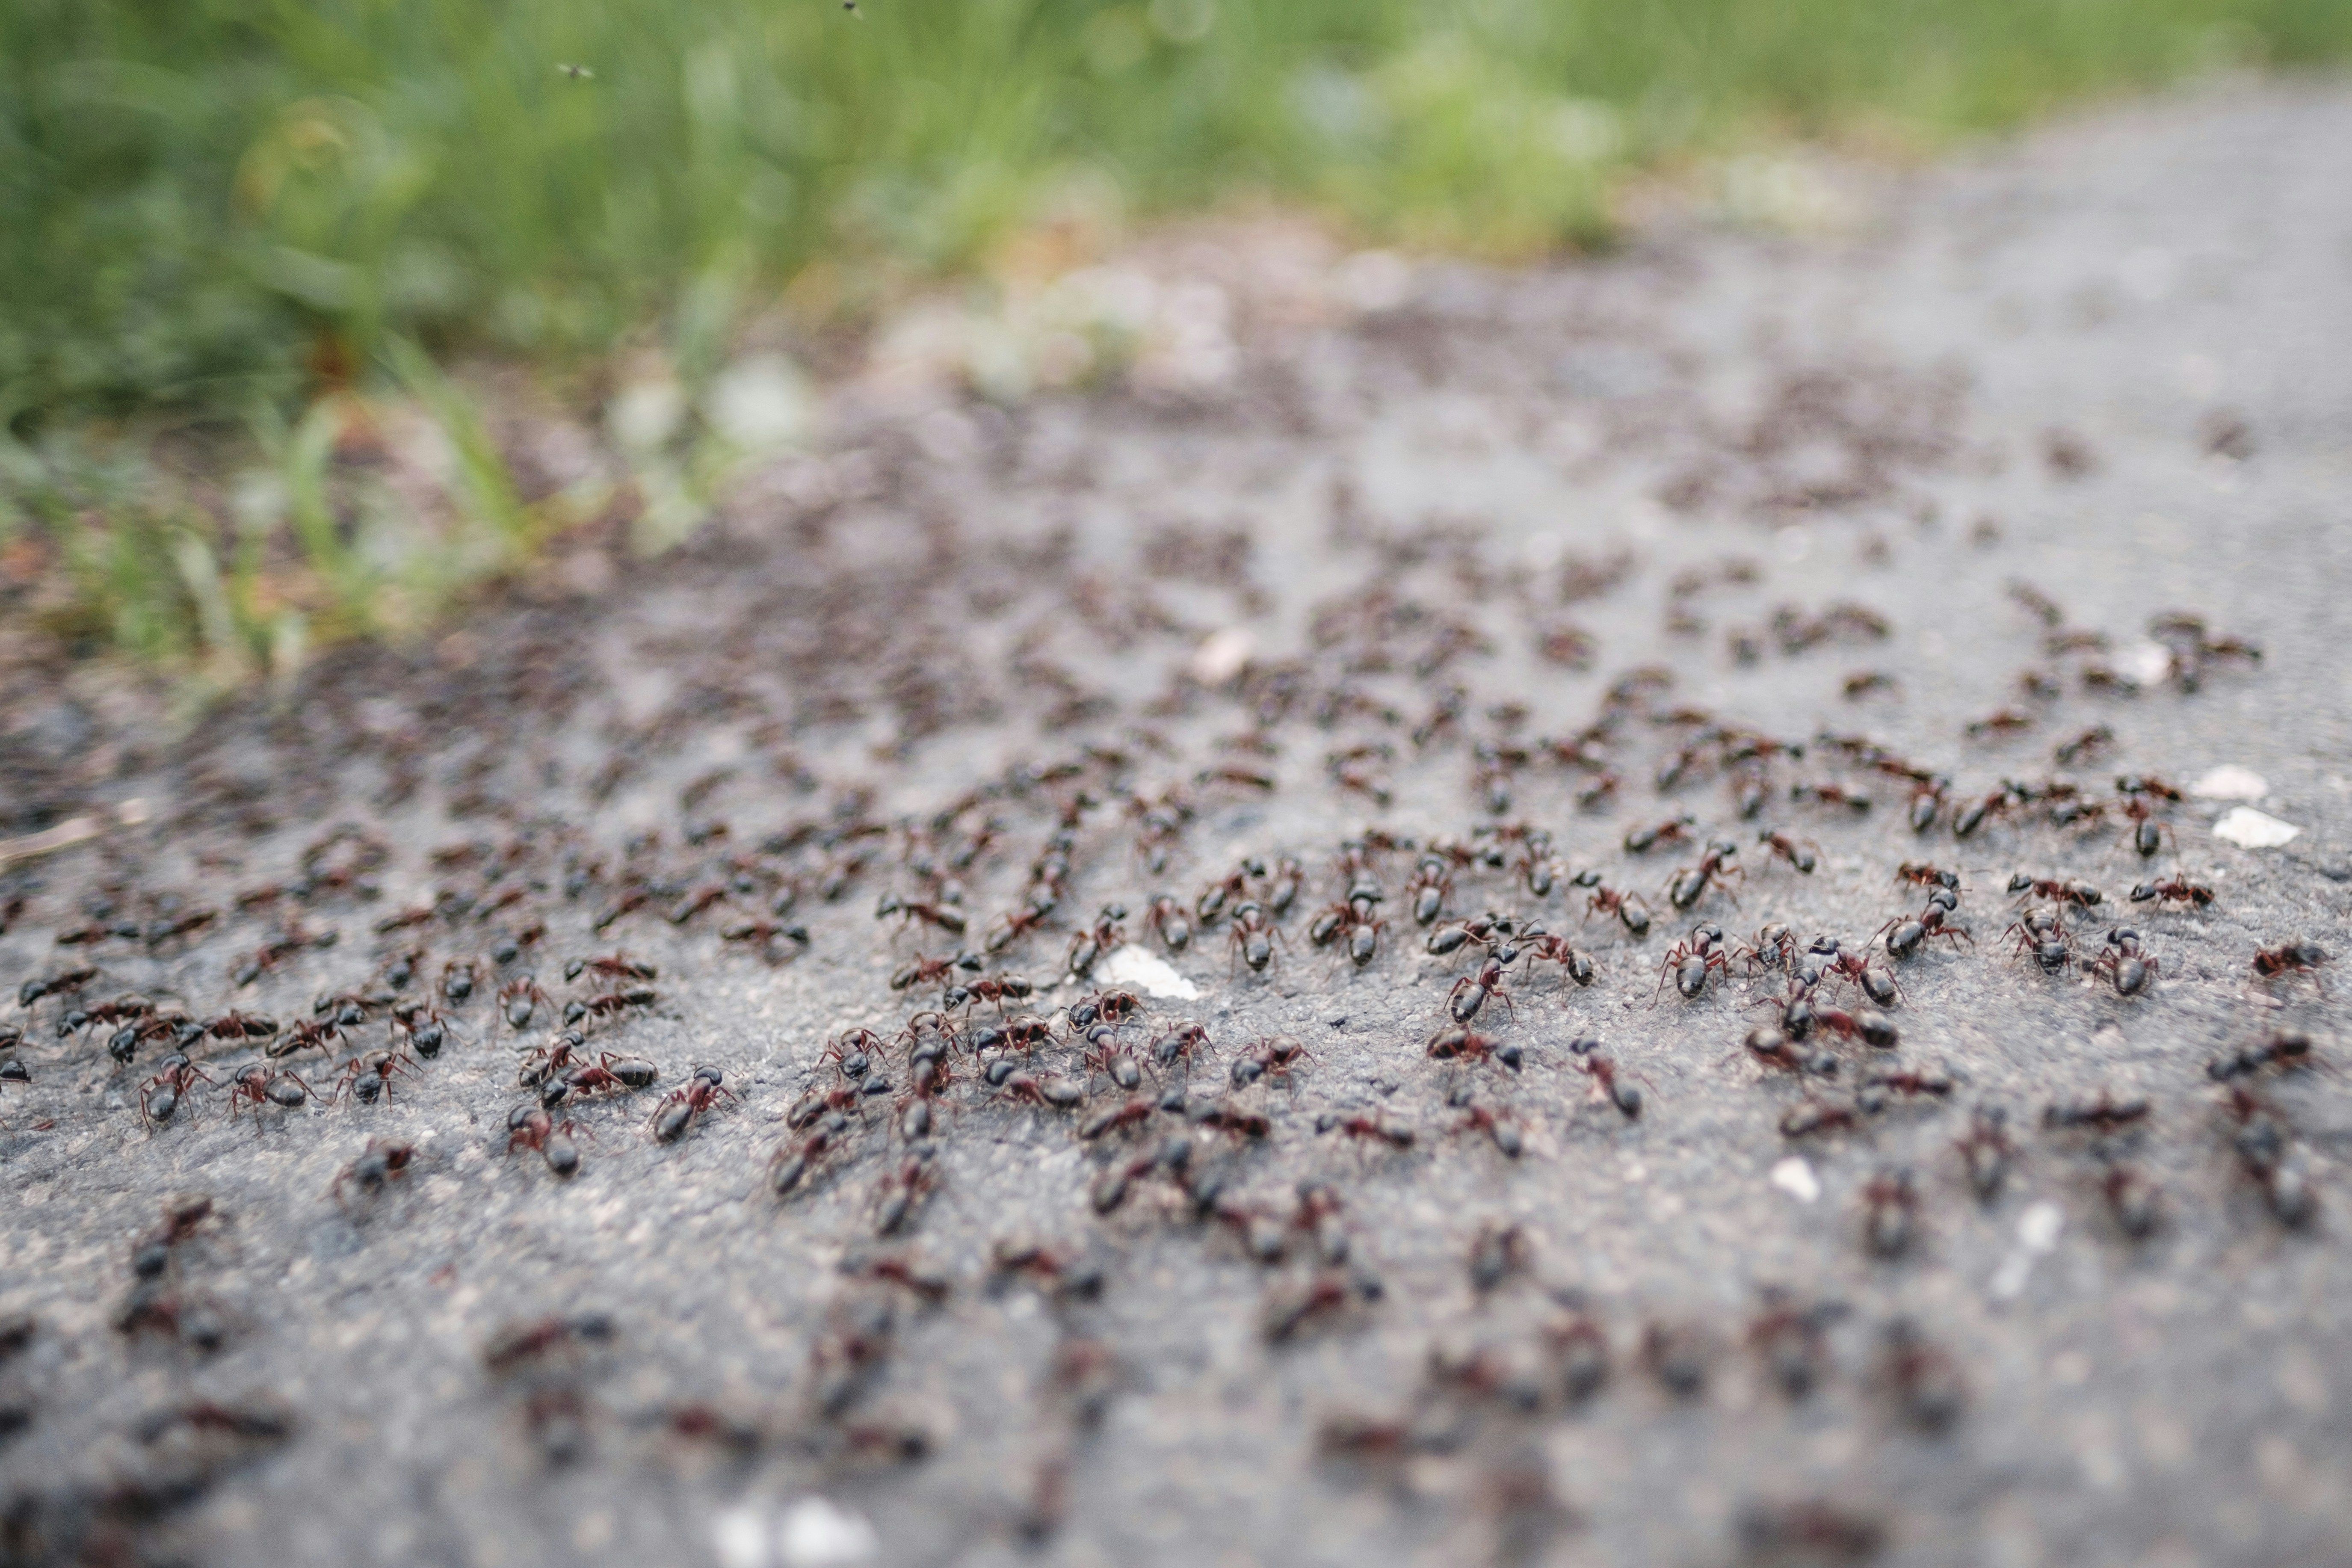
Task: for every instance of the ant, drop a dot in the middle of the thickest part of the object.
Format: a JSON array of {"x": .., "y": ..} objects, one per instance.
[
  {"x": 2105, "y": 1115},
  {"x": 1014, "y": 924},
  {"x": 790, "y": 1165},
  {"x": 1775, "y": 947},
  {"x": 1875, "y": 1029},
  {"x": 1890, "y": 1203},
  {"x": 1789, "y": 1339},
  {"x": 1050, "y": 1093},
  {"x": 1855, "y": 969},
  {"x": 2041, "y": 933},
  {"x": 64, "y": 982},
  {"x": 1825, "y": 794},
  {"x": 161, "y": 1095},
  {"x": 2124, "y": 963},
  {"x": 1448, "y": 1044},
  {"x": 1497, "y": 1125},
  {"x": 1692, "y": 960},
  {"x": 2001, "y": 721},
  {"x": 819, "y": 1102},
  {"x": 2147, "y": 834},
  {"x": 1674, "y": 830},
  {"x": 458, "y": 978},
  {"x": 901, "y": 1192},
  {"x": 1326, "y": 1295},
  {"x": 2288, "y": 958},
  {"x": 1689, "y": 884},
  {"x": 994, "y": 989},
  {"x": 1376, "y": 1126},
  {"x": 1574, "y": 963},
  {"x": 609, "y": 1003},
  {"x": 1470, "y": 992},
  {"x": 518, "y": 1344},
  {"x": 1133, "y": 1114},
  {"x": 2284, "y": 1051},
  {"x": 2174, "y": 890},
  {"x": 1775, "y": 1050},
  {"x": 1597, "y": 1065},
  {"x": 1179, "y": 1042},
  {"x": 528, "y": 1127},
  {"x": 1906, "y": 935},
  {"x": 1112, "y": 1008},
  {"x": 1986, "y": 1151},
  {"x": 2070, "y": 891},
  {"x": 1164, "y": 918},
  {"x": 2134, "y": 1200},
  {"x": 1088, "y": 946},
  {"x": 1356, "y": 923},
  {"x": 542, "y": 1062},
  {"x": 2267, "y": 1153},
  {"x": 1210, "y": 907},
  {"x": 378, "y": 1166},
  {"x": 676, "y": 1114},
  {"x": 520, "y": 998},
  {"x": 922, "y": 971},
  {"x": 946, "y": 918},
  {"x": 2087, "y": 744},
  {"x": 611, "y": 966},
  {"x": 1803, "y": 856},
  {"x": 1627, "y": 907},
  {"x": 1269, "y": 1057},
  {"x": 1818, "y": 1116},
  {"x": 1924, "y": 1379},
  {"x": 611, "y": 1075},
  {"x": 1430, "y": 886},
  {"x": 261, "y": 1085},
  {"x": 356, "y": 1082},
  {"x": 1253, "y": 936}
]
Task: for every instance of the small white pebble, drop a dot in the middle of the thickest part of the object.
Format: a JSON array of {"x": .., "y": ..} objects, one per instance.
[
  {"x": 1222, "y": 655},
  {"x": 2252, "y": 829},
  {"x": 818, "y": 1533},
  {"x": 1131, "y": 965},
  {"x": 739, "y": 1537},
  {"x": 2230, "y": 782},
  {"x": 2038, "y": 1226},
  {"x": 1796, "y": 1178}
]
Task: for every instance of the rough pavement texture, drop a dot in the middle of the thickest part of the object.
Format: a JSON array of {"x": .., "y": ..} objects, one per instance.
[{"x": 2107, "y": 363}]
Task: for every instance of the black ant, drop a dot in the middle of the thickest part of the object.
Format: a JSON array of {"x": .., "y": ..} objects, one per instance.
[
  {"x": 2043, "y": 934},
  {"x": 1431, "y": 884},
  {"x": 2105, "y": 1115},
  {"x": 1089, "y": 946},
  {"x": 609, "y": 1003},
  {"x": 1377, "y": 1128},
  {"x": 922, "y": 971},
  {"x": 1014, "y": 924},
  {"x": 791, "y": 1164},
  {"x": 611, "y": 966},
  {"x": 1905, "y": 935},
  {"x": 901, "y": 1192},
  {"x": 520, "y": 998},
  {"x": 2136, "y": 1202},
  {"x": 1817, "y": 1116},
  {"x": 1923, "y": 1378},
  {"x": 1497, "y": 1125},
  {"x": 370, "y": 1074},
  {"x": 1774, "y": 1049},
  {"x": 1574, "y": 963},
  {"x": 1825, "y": 794},
  {"x": 995, "y": 989},
  {"x": 261, "y": 1085},
  {"x": 1890, "y": 1201}
]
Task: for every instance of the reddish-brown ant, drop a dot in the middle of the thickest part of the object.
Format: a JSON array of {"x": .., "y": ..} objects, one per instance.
[
  {"x": 1690, "y": 961},
  {"x": 1270, "y": 1057},
  {"x": 2082, "y": 747},
  {"x": 2001, "y": 722},
  {"x": 1574, "y": 963},
  {"x": 1924, "y": 1381},
  {"x": 1690, "y": 884},
  {"x": 1818, "y": 1116},
  {"x": 64, "y": 982},
  {"x": 528, "y": 1127},
  {"x": 609, "y": 1003},
  {"x": 2105, "y": 1115},
  {"x": 371, "y": 1073},
  {"x": 1468, "y": 1045},
  {"x": 1822, "y": 792},
  {"x": 2283, "y": 1050},
  {"x": 1905, "y": 935},
  {"x": 1627, "y": 907},
  {"x": 2124, "y": 963},
  {"x": 1889, "y": 1201},
  {"x": 922, "y": 971},
  {"x": 677, "y": 1112},
  {"x": 1470, "y": 992},
  {"x": 1674, "y": 830},
  {"x": 901, "y": 1192},
  {"x": 1378, "y": 1128},
  {"x": 521, "y": 997},
  {"x": 1050, "y": 1093},
  {"x": 1178, "y": 1043},
  {"x": 945, "y": 917},
  {"x": 1986, "y": 1151},
  {"x": 1010, "y": 927},
  {"x": 790, "y": 1165},
  {"x": 2174, "y": 890},
  {"x": 521, "y": 1344},
  {"x": 1803, "y": 856},
  {"x": 1498, "y": 1125},
  {"x": 2289, "y": 958},
  {"x": 2136, "y": 1202},
  {"x": 162, "y": 1094},
  {"x": 1597, "y": 1065},
  {"x": 610, "y": 967},
  {"x": 1253, "y": 936},
  {"x": 1165, "y": 919},
  {"x": 381, "y": 1165},
  {"x": 1133, "y": 1114},
  {"x": 264, "y": 1085}
]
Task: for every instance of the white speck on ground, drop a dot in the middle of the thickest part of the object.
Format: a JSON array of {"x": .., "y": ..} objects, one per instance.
[{"x": 2252, "y": 829}]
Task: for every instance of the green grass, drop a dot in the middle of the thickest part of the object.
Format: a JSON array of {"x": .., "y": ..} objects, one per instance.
[{"x": 220, "y": 209}]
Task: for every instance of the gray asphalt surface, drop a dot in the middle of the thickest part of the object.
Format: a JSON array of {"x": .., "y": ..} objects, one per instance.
[{"x": 2107, "y": 363}]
